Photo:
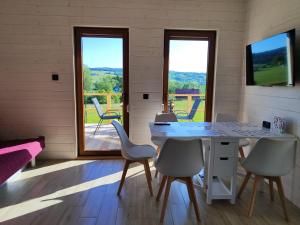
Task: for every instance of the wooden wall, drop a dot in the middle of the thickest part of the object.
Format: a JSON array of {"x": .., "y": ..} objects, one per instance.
[
  {"x": 266, "y": 18},
  {"x": 36, "y": 39}
]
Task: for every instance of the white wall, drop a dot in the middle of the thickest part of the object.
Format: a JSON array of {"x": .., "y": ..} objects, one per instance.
[
  {"x": 36, "y": 39},
  {"x": 266, "y": 18}
]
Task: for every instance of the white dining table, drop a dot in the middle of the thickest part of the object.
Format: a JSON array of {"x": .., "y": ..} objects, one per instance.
[{"x": 221, "y": 155}]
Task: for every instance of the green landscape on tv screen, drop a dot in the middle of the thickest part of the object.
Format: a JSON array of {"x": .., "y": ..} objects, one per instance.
[{"x": 270, "y": 61}]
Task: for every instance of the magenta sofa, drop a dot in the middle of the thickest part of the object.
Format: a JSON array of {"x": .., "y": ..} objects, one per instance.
[{"x": 16, "y": 154}]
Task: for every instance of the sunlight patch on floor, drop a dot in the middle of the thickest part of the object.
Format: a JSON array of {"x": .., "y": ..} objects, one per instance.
[
  {"x": 32, "y": 205},
  {"x": 48, "y": 169}
]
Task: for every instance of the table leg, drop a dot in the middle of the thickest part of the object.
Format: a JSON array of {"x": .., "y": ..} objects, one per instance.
[{"x": 210, "y": 164}]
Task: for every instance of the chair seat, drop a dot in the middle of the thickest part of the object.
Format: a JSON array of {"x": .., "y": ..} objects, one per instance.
[
  {"x": 158, "y": 141},
  {"x": 243, "y": 142},
  {"x": 138, "y": 152},
  {"x": 262, "y": 170},
  {"x": 170, "y": 171},
  {"x": 111, "y": 117}
]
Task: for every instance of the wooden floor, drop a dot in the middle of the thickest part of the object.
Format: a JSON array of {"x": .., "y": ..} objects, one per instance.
[
  {"x": 84, "y": 192},
  {"x": 105, "y": 139}
]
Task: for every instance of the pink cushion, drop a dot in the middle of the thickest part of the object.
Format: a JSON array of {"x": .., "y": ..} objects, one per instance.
[{"x": 16, "y": 154}]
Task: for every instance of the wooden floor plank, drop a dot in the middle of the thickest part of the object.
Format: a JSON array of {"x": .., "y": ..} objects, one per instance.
[{"x": 85, "y": 194}]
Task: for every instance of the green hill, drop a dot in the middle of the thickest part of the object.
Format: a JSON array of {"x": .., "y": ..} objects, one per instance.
[
  {"x": 187, "y": 77},
  {"x": 182, "y": 77}
]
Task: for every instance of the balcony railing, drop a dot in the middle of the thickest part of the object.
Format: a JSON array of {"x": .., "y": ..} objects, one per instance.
[
  {"x": 185, "y": 103},
  {"x": 189, "y": 100},
  {"x": 108, "y": 97}
]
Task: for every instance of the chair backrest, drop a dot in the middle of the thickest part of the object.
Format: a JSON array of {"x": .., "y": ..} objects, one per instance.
[
  {"x": 97, "y": 106},
  {"x": 165, "y": 117},
  {"x": 194, "y": 108},
  {"x": 180, "y": 158},
  {"x": 125, "y": 142},
  {"x": 271, "y": 157},
  {"x": 223, "y": 117}
]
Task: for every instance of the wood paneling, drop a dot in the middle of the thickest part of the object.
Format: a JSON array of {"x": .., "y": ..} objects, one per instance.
[
  {"x": 36, "y": 39},
  {"x": 263, "y": 103}
]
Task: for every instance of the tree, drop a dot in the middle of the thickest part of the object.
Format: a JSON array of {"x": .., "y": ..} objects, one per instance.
[{"x": 87, "y": 79}]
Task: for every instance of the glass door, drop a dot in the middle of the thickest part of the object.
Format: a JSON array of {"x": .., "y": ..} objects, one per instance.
[
  {"x": 102, "y": 88},
  {"x": 188, "y": 74}
]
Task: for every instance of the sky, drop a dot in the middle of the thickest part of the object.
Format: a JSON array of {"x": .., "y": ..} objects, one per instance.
[
  {"x": 102, "y": 52},
  {"x": 271, "y": 43},
  {"x": 185, "y": 56},
  {"x": 188, "y": 56}
]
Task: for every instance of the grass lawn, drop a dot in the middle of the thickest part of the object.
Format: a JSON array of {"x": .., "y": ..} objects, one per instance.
[
  {"x": 273, "y": 75},
  {"x": 91, "y": 115}
]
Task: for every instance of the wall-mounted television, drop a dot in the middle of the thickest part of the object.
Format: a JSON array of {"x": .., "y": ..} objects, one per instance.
[{"x": 270, "y": 62}]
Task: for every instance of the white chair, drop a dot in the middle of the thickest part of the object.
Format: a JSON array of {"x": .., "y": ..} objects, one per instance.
[
  {"x": 179, "y": 159},
  {"x": 269, "y": 159},
  {"x": 162, "y": 117},
  {"x": 134, "y": 153},
  {"x": 223, "y": 117}
]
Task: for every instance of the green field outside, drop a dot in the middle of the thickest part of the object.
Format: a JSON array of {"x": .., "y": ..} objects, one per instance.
[
  {"x": 91, "y": 115},
  {"x": 277, "y": 75}
]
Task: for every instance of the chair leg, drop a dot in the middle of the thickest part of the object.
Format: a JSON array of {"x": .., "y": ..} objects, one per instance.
[
  {"x": 98, "y": 126},
  {"x": 161, "y": 187},
  {"x": 282, "y": 198},
  {"x": 188, "y": 189},
  {"x": 126, "y": 165},
  {"x": 167, "y": 191},
  {"x": 193, "y": 196},
  {"x": 241, "y": 150},
  {"x": 246, "y": 179},
  {"x": 33, "y": 162},
  {"x": 271, "y": 189},
  {"x": 252, "y": 202},
  {"x": 148, "y": 176},
  {"x": 158, "y": 151}
]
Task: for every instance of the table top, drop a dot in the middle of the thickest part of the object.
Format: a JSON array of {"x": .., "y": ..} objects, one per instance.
[{"x": 213, "y": 129}]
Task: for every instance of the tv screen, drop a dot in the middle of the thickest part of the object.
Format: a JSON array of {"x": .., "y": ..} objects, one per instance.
[{"x": 270, "y": 61}]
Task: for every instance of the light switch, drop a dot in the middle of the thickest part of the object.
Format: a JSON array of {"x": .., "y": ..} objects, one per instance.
[
  {"x": 145, "y": 96},
  {"x": 55, "y": 76}
]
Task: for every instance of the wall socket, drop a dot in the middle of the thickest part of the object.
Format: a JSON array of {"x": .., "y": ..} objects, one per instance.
[
  {"x": 145, "y": 96},
  {"x": 55, "y": 76}
]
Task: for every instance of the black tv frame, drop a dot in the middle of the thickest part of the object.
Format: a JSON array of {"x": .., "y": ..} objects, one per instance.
[{"x": 249, "y": 62}]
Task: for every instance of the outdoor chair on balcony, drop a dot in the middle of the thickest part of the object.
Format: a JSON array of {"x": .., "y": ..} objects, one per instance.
[
  {"x": 184, "y": 115},
  {"x": 107, "y": 115}
]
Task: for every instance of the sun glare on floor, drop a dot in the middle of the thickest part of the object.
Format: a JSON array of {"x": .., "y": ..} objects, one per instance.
[
  {"x": 35, "y": 204},
  {"x": 48, "y": 169}
]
